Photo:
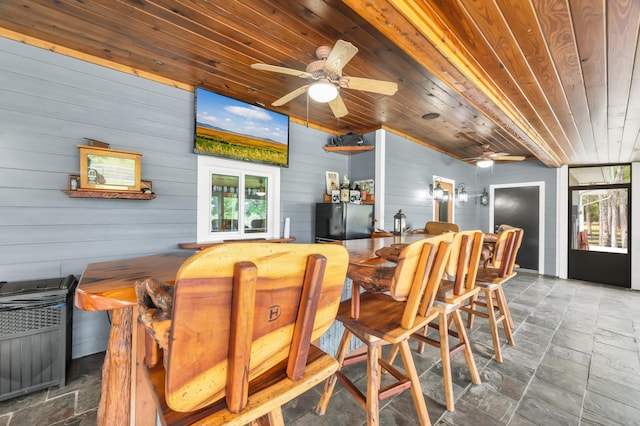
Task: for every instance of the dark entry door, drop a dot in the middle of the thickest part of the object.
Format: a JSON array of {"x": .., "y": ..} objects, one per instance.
[
  {"x": 520, "y": 207},
  {"x": 600, "y": 224}
]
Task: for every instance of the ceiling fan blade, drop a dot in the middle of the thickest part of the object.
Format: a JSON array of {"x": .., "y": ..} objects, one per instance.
[
  {"x": 492, "y": 154},
  {"x": 369, "y": 85},
  {"x": 281, "y": 70},
  {"x": 509, "y": 158},
  {"x": 338, "y": 107},
  {"x": 289, "y": 96},
  {"x": 340, "y": 55}
]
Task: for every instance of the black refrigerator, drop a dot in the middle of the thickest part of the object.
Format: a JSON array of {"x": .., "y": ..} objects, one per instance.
[{"x": 343, "y": 221}]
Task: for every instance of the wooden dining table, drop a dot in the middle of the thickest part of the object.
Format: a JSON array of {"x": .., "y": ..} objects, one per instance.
[{"x": 109, "y": 286}]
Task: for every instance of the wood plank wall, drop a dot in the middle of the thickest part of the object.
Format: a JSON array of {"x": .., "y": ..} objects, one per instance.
[
  {"x": 50, "y": 102},
  {"x": 410, "y": 168}
]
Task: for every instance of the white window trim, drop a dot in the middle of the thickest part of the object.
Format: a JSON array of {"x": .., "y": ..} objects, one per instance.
[{"x": 208, "y": 165}]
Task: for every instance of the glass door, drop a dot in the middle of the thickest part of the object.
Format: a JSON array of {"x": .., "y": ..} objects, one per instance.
[{"x": 599, "y": 224}]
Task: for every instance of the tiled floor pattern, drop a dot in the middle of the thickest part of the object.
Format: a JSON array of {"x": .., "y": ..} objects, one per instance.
[{"x": 576, "y": 362}]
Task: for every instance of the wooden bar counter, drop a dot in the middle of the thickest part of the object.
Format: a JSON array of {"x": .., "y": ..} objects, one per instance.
[{"x": 109, "y": 286}]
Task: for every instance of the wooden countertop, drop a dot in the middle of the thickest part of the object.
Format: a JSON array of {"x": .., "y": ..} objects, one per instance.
[
  {"x": 110, "y": 285},
  {"x": 364, "y": 250}
]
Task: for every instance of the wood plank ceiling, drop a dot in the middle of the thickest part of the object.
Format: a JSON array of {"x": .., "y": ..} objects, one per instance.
[{"x": 555, "y": 80}]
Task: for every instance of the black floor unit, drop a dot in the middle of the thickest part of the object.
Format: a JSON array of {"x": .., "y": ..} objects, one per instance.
[{"x": 35, "y": 334}]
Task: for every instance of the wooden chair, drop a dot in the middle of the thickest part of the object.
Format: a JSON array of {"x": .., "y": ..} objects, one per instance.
[
  {"x": 583, "y": 240},
  {"x": 391, "y": 319},
  {"x": 455, "y": 290},
  {"x": 236, "y": 334},
  {"x": 493, "y": 303},
  {"x": 437, "y": 228}
]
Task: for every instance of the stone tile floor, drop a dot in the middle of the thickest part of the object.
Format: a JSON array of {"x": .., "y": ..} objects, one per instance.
[{"x": 576, "y": 362}]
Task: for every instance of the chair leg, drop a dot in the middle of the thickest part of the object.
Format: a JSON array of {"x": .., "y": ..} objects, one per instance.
[
  {"x": 501, "y": 299},
  {"x": 393, "y": 352},
  {"x": 472, "y": 307},
  {"x": 446, "y": 359},
  {"x": 468, "y": 354},
  {"x": 493, "y": 324},
  {"x": 276, "y": 418},
  {"x": 421, "y": 344},
  {"x": 373, "y": 385},
  {"x": 506, "y": 315},
  {"x": 330, "y": 383},
  {"x": 416, "y": 389}
]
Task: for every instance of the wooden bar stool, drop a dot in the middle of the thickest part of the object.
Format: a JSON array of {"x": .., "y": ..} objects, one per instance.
[
  {"x": 391, "y": 319},
  {"x": 236, "y": 330},
  {"x": 455, "y": 289},
  {"x": 492, "y": 303}
]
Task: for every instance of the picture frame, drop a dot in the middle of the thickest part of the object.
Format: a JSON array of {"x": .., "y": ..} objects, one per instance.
[
  {"x": 332, "y": 181},
  {"x": 109, "y": 169}
]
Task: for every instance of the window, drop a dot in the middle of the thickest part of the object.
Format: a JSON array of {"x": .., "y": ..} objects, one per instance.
[
  {"x": 600, "y": 208},
  {"x": 237, "y": 200}
]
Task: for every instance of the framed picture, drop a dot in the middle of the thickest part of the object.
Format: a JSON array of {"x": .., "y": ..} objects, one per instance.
[
  {"x": 227, "y": 127},
  {"x": 109, "y": 169},
  {"x": 365, "y": 185},
  {"x": 333, "y": 181}
]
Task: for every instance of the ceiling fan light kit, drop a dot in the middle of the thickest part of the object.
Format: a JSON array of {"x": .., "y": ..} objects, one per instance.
[
  {"x": 323, "y": 91},
  {"x": 488, "y": 157},
  {"x": 326, "y": 78}
]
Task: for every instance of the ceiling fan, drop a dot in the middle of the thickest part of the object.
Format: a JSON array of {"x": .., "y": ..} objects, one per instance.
[
  {"x": 487, "y": 157},
  {"x": 326, "y": 79}
]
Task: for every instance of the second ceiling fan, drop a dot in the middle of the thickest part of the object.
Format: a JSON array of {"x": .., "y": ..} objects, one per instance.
[
  {"x": 487, "y": 157},
  {"x": 327, "y": 79}
]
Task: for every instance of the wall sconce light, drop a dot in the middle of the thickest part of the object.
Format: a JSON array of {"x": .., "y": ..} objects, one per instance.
[
  {"x": 462, "y": 194},
  {"x": 437, "y": 193},
  {"x": 484, "y": 198}
]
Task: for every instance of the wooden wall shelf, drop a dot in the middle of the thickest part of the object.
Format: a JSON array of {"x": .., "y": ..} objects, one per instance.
[
  {"x": 109, "y": 194},
  {"x": 370, "y": 199},
  {"x": 348, "y": 149}
]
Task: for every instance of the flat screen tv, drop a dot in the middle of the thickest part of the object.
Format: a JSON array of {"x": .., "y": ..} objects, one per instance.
[{"x": 229, "y": 128}]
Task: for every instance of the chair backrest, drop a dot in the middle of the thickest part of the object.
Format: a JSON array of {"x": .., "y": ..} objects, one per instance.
[
  {"x": 239, "y": 309},
  {"x": 506, "y": 250},
  {"x": 418, "y": 274},
  {"x": 464, "y": 260},
  {"x": 437, "y": 228}
]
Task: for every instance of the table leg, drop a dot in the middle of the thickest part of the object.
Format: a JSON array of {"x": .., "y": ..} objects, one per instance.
[
  {"x": 115, "y": 399},
  {"x": 143, "y": 406}
]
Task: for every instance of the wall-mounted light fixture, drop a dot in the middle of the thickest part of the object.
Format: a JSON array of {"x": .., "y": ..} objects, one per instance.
[
  {"x": 484, "y": 198},
  {"x": 435, "y": 190},
  {"x": 461, "y": 193}
]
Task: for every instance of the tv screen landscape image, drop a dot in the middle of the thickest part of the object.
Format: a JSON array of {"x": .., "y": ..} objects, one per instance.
[{"x": 229, "y": 128}]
